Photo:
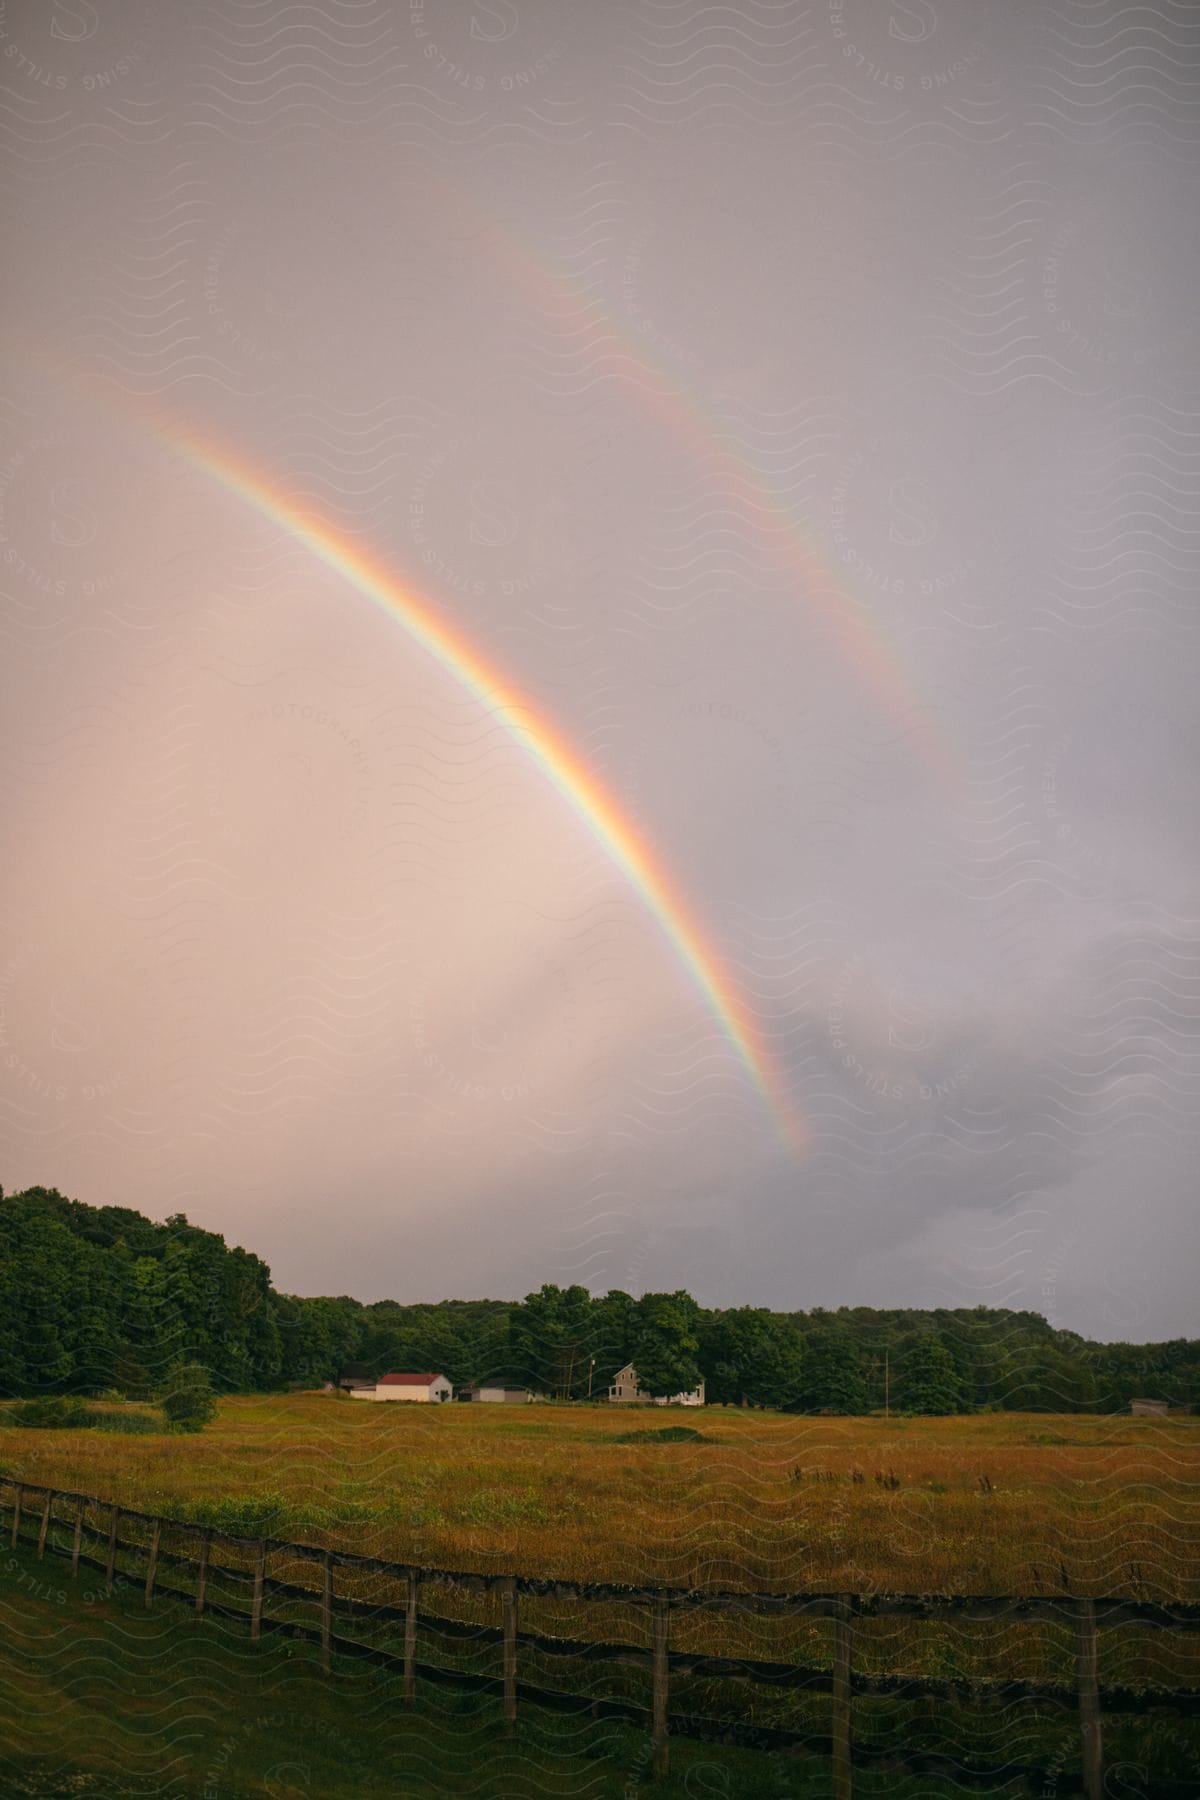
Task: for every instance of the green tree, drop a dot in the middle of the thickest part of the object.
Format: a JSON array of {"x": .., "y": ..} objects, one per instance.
[
  {"x": 92, "y": 1297},
  {"x": 613, "y": 1323},
  {"x": 665, "y": 1344},
  {"x": 832, "y": 1378},
  {"x": 750, "y": 1357},
  {"x": 550, "y": 1339},
  {"x": 928, "y": 1380},
  {"x": 188, "y": 1399}
]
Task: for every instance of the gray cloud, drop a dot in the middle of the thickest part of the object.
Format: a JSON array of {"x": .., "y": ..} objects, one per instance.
[{"x": 800, "y": 407}]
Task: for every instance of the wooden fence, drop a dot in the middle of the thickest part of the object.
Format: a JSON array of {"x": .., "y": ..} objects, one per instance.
[{"x": 33, "y": 1513}]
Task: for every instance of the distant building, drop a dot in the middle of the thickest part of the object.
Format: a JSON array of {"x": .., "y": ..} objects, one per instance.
[
  {"x": 355, "y": 1375},
  {"x": 625, "y": 1390},
  {"x": 497, "y": 1391},
  {"x": 1150, "y": 1409},
  {"x": 421, "y": 1388}
]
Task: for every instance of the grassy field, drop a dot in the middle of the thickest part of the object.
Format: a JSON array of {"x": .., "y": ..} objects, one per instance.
[
  {"x": 100, "y": 1699},
  {"x": 993, "y": 1504}
]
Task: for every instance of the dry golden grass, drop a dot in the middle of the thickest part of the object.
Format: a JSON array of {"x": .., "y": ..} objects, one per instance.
[{"x": 994, "y": 1503}]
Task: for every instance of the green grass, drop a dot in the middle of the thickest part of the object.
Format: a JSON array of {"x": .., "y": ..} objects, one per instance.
[{"x": 101, "y": 1697}]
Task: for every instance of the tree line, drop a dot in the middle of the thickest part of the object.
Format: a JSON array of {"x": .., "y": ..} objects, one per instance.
[{"x": 95, "y": 1299}]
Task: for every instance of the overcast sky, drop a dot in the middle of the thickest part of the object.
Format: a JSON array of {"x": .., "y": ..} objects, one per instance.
[{"x": 800, "y": 407}]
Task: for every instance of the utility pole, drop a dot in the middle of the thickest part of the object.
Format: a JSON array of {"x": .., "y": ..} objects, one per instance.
[{"x": 591, "y": 1366}]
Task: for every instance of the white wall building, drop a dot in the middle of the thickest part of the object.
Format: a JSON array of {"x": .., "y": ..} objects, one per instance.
[
  {"x": 406, "y": 1387},
  {"x": 499, "y": 1391},
  {"x": 625, "y": 1389}
]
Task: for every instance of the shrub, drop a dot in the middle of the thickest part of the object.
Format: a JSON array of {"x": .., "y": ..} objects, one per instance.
[
  {"x": 52, "y": 1413},
  {"x": 670, "y": 1434},
  {"x": 188, "y": 1399}
]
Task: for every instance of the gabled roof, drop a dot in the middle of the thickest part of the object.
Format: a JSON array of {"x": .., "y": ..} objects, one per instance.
[{"x": 409, "y": 1380}]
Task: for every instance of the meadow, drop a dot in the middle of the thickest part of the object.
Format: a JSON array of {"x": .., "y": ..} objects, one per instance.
[
  {"x": 995, "y": 1503},
  {"x": 1016, "y": 1504},
  {"x": 100, "y": 1700}
]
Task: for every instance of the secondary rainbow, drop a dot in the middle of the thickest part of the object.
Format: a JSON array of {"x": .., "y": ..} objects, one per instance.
[
  {"x": 543, "y": 741},
  {"x": 661, "y": 388}
]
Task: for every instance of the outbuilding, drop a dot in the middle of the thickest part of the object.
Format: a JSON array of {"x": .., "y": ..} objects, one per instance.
[
  {"x": 1149, "y": 1409},
  {"x": 422, "y": 1388},
  {"x": 498, "y": 1391}
]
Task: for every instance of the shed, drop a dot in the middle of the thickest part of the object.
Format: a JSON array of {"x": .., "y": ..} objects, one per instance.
[
  {"x": 355, "y": 1375},
  {"x": 506, "y": 1393},
  {"x": 1150, "y": 1409},
  {"x": 421, "y": 1387}
]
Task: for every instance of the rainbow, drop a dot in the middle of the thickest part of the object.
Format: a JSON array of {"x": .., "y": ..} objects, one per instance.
[
  {"x": 547, "y": 746},
  {"x": 684, "y": 416}
]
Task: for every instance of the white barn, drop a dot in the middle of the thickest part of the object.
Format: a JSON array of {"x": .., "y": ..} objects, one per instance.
[
  {"x": 501, "y": 1391},
  {"x": 625, "y": 1390},
  {"x": 422, "y": 1388}
]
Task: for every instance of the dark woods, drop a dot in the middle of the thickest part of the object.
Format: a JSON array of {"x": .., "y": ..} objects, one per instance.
[{"x": 100, "y": 1298}]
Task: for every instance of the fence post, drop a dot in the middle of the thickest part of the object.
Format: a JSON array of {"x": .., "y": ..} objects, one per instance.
[
  {"x": 410, "y": 1637},
  {"x": 509, "y": 1603},
  {"x": 152, "y": 1567},
  {"x": 18, "y": 1497},
  {"x": 77, "y": 1540},
  {"x": 662, "y": 1748},
  {"x": 843, "y": 1768},
  {"x": 327, "y": 1614},
  {"x": 260, "y": 1565},
  {"x": 202, "y": 1571},
  {"x": 114, "y": 1516},
  {"x": 1089, "y": 1702},
  {"x": 45, "y": 1524}
]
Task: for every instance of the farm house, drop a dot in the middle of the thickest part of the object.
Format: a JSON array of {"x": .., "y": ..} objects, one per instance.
[
  {"x": 625, "y": 1391},
  {"x": 421, "y": 1388}
]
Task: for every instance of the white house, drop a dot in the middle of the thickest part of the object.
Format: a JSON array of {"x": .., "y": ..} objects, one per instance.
[
  {"x": 625, "y": 1388},
  {"x": 406, "y": 1387}
]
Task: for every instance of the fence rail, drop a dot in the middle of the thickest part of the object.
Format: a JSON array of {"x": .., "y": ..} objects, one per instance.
[{"x": 32, "y": 1507}]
